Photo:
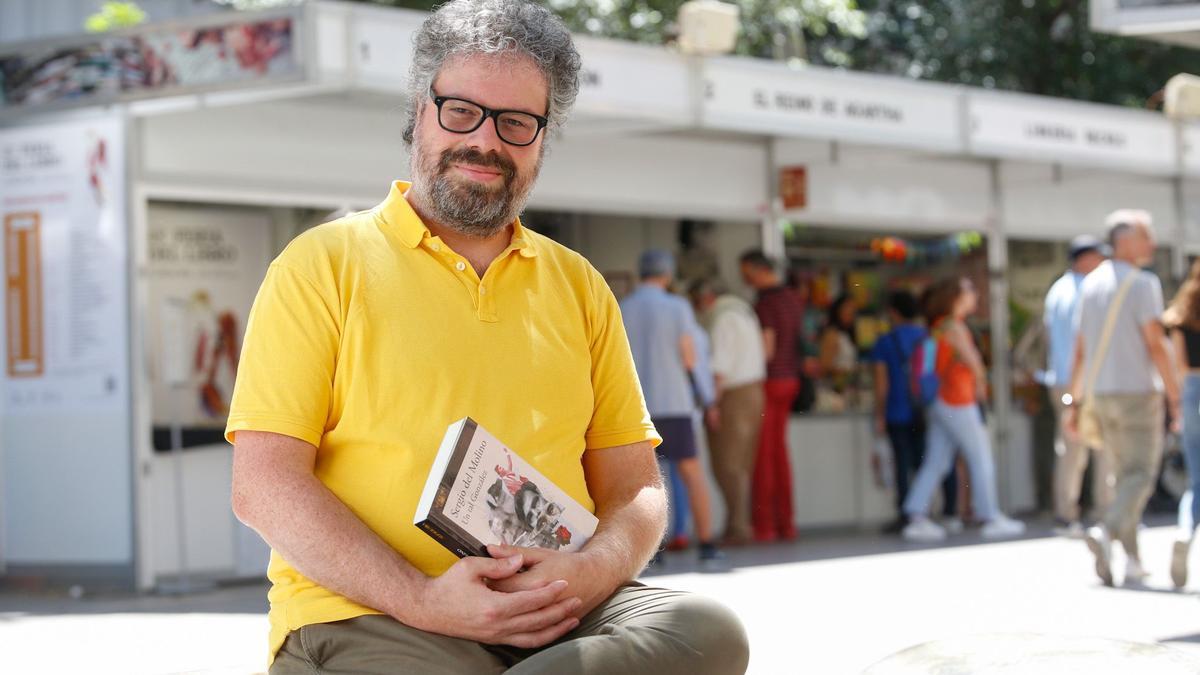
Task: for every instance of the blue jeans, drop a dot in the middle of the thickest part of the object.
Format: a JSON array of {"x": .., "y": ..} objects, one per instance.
[
  {"x": 952, "y": 428},
  {"x": 1189, "y": 507},
  {"x": 908, "y": 451}
]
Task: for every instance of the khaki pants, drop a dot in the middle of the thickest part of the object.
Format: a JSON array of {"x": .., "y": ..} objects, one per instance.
[
  {"x": 1132, "y": 428},
  {"x": 637, "y": 630},
  {"x": 733, "y": 447},
  {"x": 1070, "y": 464}
]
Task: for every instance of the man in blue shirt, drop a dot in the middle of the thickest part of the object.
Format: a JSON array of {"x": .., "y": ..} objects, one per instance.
[
  {"x": 662, "y": 332},
  {"x": 1071, "y": 455},
  {"x": 897, "y": 414}
]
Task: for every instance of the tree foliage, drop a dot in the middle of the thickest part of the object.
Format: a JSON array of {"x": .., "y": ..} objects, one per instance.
[{"x": 1035, "y": 46}]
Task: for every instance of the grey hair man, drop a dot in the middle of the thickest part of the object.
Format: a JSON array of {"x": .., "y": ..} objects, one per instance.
[
  {"x": 1122, "y": 365},
  {"x": 371, "y": 334}
]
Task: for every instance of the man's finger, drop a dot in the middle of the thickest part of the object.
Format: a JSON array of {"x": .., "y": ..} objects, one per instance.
[
  {"x": 493, "y": 568},
  {"x": 531, "y": 555},
  {"x": 542, "y": 637},
  {"x": 544, "y": 618},
  {"x": 523, "y": 602}
]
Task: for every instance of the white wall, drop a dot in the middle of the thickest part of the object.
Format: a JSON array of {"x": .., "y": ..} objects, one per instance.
[{"x": 339, "y": 148}]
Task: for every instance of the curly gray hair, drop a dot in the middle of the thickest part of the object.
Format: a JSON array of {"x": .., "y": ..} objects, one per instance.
[{"x": 495, "y": 27}]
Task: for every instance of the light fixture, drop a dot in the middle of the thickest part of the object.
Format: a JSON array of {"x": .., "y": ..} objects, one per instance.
[{"x": 707, "y": 27}]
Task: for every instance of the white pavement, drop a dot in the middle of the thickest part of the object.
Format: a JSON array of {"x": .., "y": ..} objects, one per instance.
[{"x": 827, "y": 606}]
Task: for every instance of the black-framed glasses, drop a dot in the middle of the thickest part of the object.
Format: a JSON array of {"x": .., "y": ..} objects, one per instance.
[{"x": 460, "y": 116}]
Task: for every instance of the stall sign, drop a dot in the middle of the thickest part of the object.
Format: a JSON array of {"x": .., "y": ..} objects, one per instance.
[
  {"x": 821, "y": 103},
  {"x": 151, "y": 60},
  {"x": 793, "y": 187},
  {"x": 629, "y": 80},
  {"x": 65, "y": 319},
  {"x": 1037, "y": 128}
]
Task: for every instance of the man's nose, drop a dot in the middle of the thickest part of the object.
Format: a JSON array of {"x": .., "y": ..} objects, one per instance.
[{"x": 485, "y": 137}]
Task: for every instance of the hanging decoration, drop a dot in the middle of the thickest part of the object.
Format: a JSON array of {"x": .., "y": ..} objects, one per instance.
[{"x": 953, "y": 247}]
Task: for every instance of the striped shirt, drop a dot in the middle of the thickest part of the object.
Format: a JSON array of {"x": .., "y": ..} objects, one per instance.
[{"x": 781, "y": 310}]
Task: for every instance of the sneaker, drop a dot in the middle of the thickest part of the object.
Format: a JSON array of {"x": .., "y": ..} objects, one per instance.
[
  {"x": 712, "y": 559},
  {"x": 1071, "y": 530},
  {"x": 1002, "y": 527},
  {"x": 923, "y": 530},
  {"x": 1179, "y": 563},
  {"x": 1100, "y": 545},
  {"x": 953, "y": 525},
  {"x": 1134, "y": 572},
  {"x": 678, "y": 543}
]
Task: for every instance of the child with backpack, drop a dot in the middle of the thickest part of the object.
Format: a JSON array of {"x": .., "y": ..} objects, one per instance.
[
  {"x": 899, "y": 417},
  {"x": 949, "y": 378}
]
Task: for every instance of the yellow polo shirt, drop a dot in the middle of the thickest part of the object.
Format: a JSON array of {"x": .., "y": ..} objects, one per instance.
[{"x": 370, "y": 336}]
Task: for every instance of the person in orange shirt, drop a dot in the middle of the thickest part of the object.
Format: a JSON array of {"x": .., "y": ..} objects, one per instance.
[{"x": 954, "y": 419}]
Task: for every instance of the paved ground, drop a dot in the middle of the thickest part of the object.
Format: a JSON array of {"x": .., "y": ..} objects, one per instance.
[{"x": 829, "y": 604}]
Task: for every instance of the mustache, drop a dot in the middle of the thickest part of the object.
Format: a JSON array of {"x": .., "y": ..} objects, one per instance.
[{"x": 473, "y": 156}]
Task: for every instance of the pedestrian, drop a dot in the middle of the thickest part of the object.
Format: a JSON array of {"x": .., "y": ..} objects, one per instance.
[
  {"x": 662, "y": 333},
  {"x": 898, "y": 416},
  {"x": 1071, "y": 454},
  {"x": 739, "y": 369},
  {"x": 371, "y": 334},
  {"x": 954, "y": 421},
  {"x": 1121, "y": 368},
  {"x": 781, "y": 313},
  {"x": 1182, "y": 319}
]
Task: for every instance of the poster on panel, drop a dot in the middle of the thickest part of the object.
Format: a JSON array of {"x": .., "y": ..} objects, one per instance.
[{"x": 65, "y": 317}]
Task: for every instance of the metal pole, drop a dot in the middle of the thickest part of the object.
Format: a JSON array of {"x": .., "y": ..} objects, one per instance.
[
  {"x": 1179, "y": 254},
  {"x": 1001, "y": 372}
]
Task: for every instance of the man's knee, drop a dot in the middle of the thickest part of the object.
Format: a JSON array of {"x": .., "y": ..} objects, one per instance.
[{"x": 715, "y": 632}]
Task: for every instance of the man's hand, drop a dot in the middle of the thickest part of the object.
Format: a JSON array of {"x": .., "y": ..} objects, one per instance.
[
  {"x": 461, "y": 603},
  {"x": 1070, "y": 422},
  {"x": 584, "y": 582},
  {"x": 712, "y": 417}
]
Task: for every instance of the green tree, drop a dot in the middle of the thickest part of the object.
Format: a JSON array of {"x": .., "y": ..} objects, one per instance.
[{"x": 1035, "y": 46}]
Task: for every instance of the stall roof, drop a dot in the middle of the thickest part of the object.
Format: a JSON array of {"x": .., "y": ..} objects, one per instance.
[{"x": 626, "y": 88}]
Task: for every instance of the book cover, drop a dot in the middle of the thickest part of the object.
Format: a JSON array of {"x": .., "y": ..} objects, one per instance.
[{"x": 481, "y": 492}]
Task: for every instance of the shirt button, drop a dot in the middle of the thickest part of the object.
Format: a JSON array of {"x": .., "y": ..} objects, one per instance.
[
  {"x": 482, "y": 290},
  {"x": 460, "y": 266},
  {"x": 435, "y": 247}
]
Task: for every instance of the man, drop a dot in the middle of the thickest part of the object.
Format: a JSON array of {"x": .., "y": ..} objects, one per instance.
[
  {"x": 897, "y": 415},
  {"x": 1071, "y": 454},
  {"x": 662, "y": 335},
  {"x": 739, "y": 368},
  {"x": 371, "y": 334},
  {"x": 781, "y": 312},
  {"x": 1127, "y": 382}
]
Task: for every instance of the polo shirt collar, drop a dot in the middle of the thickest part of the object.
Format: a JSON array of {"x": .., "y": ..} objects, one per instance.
[{"x": 400, "y": 216}]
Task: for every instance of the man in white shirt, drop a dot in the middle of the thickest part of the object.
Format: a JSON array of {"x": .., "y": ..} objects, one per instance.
[{"x": 739, "y": 367}]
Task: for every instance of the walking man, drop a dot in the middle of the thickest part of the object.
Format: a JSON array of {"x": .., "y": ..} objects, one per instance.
[
  {"x": 1071, "y": 453},
  {"x": 373, "y": 333},
  {"x": 1121, "y": 363}
]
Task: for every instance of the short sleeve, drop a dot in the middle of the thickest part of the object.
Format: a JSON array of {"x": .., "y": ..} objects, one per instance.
[
  {"x": 724, "y": 344},
  {"x": 1147, "y": 299},
  {"x": 285, "y": 375},
  {"x": 619, "y": 414}
]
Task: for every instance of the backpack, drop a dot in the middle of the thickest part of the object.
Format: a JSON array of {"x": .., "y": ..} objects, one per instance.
[{"x": 923, "y": 368}]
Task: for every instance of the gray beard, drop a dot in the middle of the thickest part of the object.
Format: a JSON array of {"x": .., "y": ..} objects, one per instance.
[
  {"x": 466, "y": 208},
  {"x": 472, "y": 209}
]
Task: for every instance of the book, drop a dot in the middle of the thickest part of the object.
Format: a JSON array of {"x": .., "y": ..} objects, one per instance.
[{"x": 480, "y": 492}]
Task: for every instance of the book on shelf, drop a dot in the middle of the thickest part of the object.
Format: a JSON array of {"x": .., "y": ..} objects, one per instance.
[{"x": 481, "y": 492}]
